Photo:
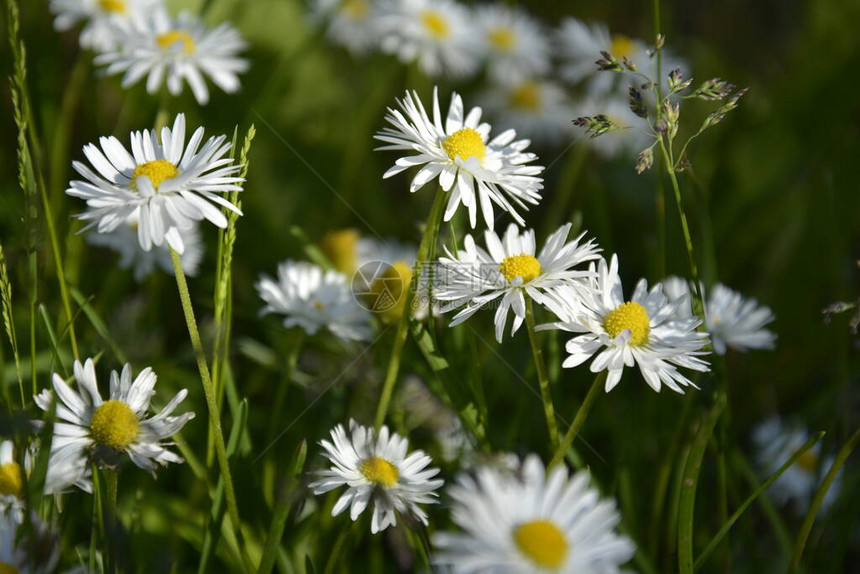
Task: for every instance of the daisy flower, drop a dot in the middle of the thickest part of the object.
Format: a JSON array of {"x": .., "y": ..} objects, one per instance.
[
  {"x": 537, "y": 109},
  {"x": 313, "y": 299},
  {"x": 532, "y": 522},
  {"x": 177, "y": 50},
  {"x": 646, "y": 331},
  {"x": 123, "y": 240},
  {"x": 88, "y": 426},
  {"x": 12, "y": 480},
  {"x": 164, "y": 186},
  {"x": 470, "y": 166},
  {"x": 508, "y": 269},
  {"x": 434, "y": 33},
  {"x": 775, "y": 443},
  {"x": 515, "y": 44},
  {"x": 103, "y": 19},
  {"x": 732, "y": 320},
  {"x": 353, "y": 24},
  {"x": 20, "y": 554},
  {"x": 375, "y": 468}
]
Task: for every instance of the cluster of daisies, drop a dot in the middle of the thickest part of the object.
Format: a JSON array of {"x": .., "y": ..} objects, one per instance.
[{"x": 537, "y": 77}]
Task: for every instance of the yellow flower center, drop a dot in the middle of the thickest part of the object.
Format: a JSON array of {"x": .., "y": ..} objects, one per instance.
[
  {"x": 502, "y": 39},
  {"x": 157, "y": 171},
  {"x": 8, "y": 569},
  {"x": 318, "y": 306},
  {"x": 11, "y": 480},
  {"x": 632, "y": 316},
  {"x": 116, "y": 6},
  {"x": 169, "y": 39},
  {"x": 339, "y": 249},
  {"x": 379, "y": 471},
  {"x": 465, "y": 143},
  {"x": 355, "y": 9},
  {"x": 114, "y": 425},
  {"x": 542, "y": 542},
  {"x": 525, "y": 266},
  {"x": 390, "y": 289},
  {"x": 526, "y": 96},
  {"x": 436, "y": 24},
  {"x": 621, "y": 46},
  {"x": 808, "y": 461}
]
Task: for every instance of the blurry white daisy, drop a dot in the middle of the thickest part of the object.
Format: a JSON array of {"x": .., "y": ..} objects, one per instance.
[
  {"x": 732, "y": 320},
  {"x": 165, "y": 186},
  {"x": 437, "y": 34},
  {"x": 537, "y": 109},
  {"x": 515, "y": 44},
  {"x": 775, "y": 443},
  {"x": 12, "y": 480},
  {"x": 509, "y": 269},
  {"x": 375, "y": 469},
  {"x": 123, "y": 240},
  {"x": 313, "y": 299},
  {"x": 353, "y": 24},
  {"x": 174, "y": 50},
  {"x": 89, "y": 426},
  {"x": 532, "y": 522},
  {"x": 469, "y": 167},
  {"x": 646, "y": 331},
  {"x": 102, "y": 18},
  {"x": 627, "y": 141},
  {"x": 35, "y": 552}
]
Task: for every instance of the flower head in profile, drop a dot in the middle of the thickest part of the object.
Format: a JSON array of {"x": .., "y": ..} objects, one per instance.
[
  {"x": 377, "y": 470},
  {"x": 353, "y": 24},
  {"x": 434, "y": 33},
  {"x": 12, "y": 479},
  {"x": 175, "y": 51},
  {"x": 313, "y": 299},
  {"x": 536, "y": 108},
  {"x": 164, "y": 186},
  {"x": 102, "y": 19},
  {"x": 107, "y": 430},
  {"x": 471, "y": 167},
  {"x": 646, "y": 331},
  {"x": 532, "y": 521},
  {"x": 512, "y": 269},
  {"x": 515, "y": 45}
]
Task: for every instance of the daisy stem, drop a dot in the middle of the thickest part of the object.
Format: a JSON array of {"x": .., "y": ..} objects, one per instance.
[
  {"x": 543, "y": 378},
  {"x": 579, "y": 420},
  {"x": 428, "y": 242},
  {"x": 211, "y": 403},
  {"x": 111, "y": 482}
]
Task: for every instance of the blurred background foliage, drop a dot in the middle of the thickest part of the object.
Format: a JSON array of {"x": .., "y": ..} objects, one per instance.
[{"x": 774, "y": 209}]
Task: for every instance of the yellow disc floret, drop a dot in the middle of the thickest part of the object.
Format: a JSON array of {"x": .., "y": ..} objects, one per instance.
[
  {"x": 339, "y": 248},
  {"x": 157, "y": 171},
  {"x": 116, "y": 6},
  {"x": 11, "y": 479},
  {"x": 114, "y": 425},
  {"x": 525, "y": 266},
  {"x": 542, "y": 542},
  {"x": 502, "y": 39},
  {"x": 465, "y": 143},
  {"x": 622, "y": 46},
  {"x": 526, "y": 97},
  {"x": 379, "y": 471},
  {"x": 355, "y": 9},
  {"x": 632, "y": 316},
  {"x": 808, "y": 461},
  {"x": 435, "y": 24},
  {"x": 169, "y": 39}
]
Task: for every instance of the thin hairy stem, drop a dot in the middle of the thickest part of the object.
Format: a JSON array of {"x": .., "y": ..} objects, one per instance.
[
  {"x": 543, "y": 377},
  {"x": 579, "y": 420}
]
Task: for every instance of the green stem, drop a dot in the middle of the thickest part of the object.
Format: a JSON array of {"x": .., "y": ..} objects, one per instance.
[
  {"x": 543, "y": 378},
  {"x": 561, "y": 204},
  {"x": 111, "y": 533},
  {"x": 579, "y": 420},
  {"x": 211, "y": 402},
  {"x": 289, "y": 369},
  {"x": 428, "y": 241},
  {"x": 335, "y": 551}
]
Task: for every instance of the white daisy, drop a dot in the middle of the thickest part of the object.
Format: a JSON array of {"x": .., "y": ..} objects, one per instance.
[
  {"x": 531, "y": 522},
  {"x": 509, "y": 269},
  {"x": 646, "y": 331},
  {"x": 515, "y": 44},
  {"x": 176, "y": 50},
  {"x": 89, "y": 426},
  {"x": 468, "y": 166},
  {"x": 12, "y": 480},
  {"x": 34, "y": 551},
  {"x": 165, "y": 186},
  {"x": 103, "y": 18},
  {"x": 353, "y": 24},
  {"x": 375, "y": 468},
  {"x": 732, "y": 320},
  {"x": 312, "y": 299},
  {"x": 123, "y": 240},
  {"x": 775, "y": 443},
  {"x": 537, "y": 109}
]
